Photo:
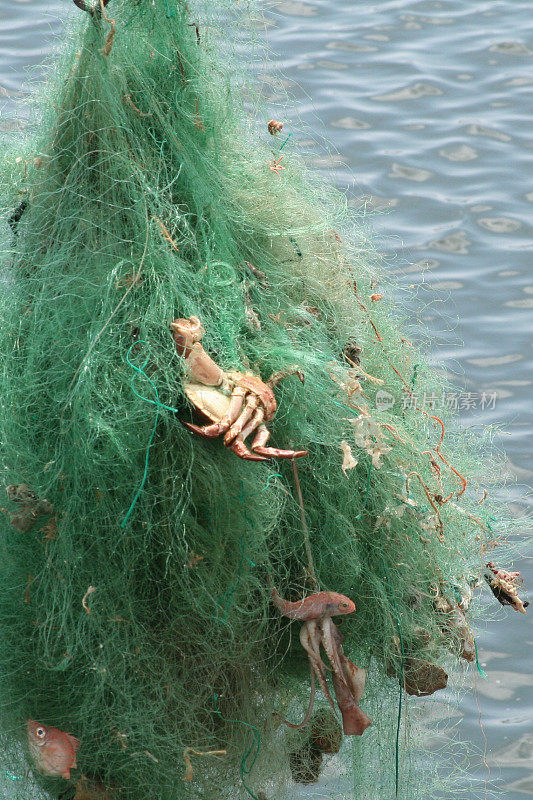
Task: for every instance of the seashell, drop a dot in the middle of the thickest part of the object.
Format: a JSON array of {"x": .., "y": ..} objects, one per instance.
[
  {"x": 274, "y": 127},
  {"x": 422, "y": 678}
]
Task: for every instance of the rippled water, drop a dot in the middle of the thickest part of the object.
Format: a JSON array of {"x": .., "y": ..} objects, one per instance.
[{"x": 426, "y": 108}]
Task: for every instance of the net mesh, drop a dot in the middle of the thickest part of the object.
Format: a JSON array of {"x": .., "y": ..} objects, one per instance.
[{"x": 138, "y": 560}]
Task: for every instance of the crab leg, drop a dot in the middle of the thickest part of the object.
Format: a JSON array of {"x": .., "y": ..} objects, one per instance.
[
  {"x": 309, "y": 708},
  {"x": 238, "y": 446},
  {"x": 284, "y": 373},
  {"x": 261, "y": 438},
  {"x": 252, "y": 401}
]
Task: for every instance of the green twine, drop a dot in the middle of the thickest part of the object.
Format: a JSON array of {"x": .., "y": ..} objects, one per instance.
[
  {"x": 158, "y": 405},
  {"x": 399, "y": 719},
  {"x": 232, "y": 588},
  {"x": 274, "y": 475},
  {"x": 141, "y": 371},
  {"x": 169, "y": 12},
  {"x": 478, "y": 665},
  {"x": 367, "y": 492},
  {"x": 228, "y": 595},
  {"x": 285, "y": 142},
  {"x": 11, "y": 776},
  {"x": 249, "y": 756}
]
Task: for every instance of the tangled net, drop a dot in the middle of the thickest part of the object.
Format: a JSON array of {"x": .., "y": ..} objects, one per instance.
[{"x": 138, "y": 560}]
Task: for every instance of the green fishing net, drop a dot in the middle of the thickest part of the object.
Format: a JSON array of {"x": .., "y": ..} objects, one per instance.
[{"x": 138, "y": 559}]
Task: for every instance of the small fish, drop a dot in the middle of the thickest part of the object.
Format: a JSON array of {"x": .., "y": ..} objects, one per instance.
[
  {"x": 53, "y": 751},
  {"x": 314, "y": 606}
]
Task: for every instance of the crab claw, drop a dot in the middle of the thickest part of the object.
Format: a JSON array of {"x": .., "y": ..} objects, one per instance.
[
  {"x": 275, "y": 452},
  {"x": 186, "y": 333},
  {"x": 240, "y": 449},
  {"x": 285, "y": 373},
  {"x": 206, "y": 431},
  {"x": 259, "y": 446},
  {"x": 237, "y": 446}
]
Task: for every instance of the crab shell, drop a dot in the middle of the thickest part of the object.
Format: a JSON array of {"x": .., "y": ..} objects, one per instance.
[{"x": 213, "y": 401}]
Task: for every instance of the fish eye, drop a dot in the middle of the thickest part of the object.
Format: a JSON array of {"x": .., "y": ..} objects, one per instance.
[
  {"x": 344, "y": 605},
  {"x": 41, "y": 733}
]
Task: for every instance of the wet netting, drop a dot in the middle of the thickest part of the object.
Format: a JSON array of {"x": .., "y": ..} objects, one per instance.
[{"x": 138, "y": 559}]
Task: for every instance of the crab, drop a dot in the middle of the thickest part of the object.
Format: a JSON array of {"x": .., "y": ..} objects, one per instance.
[{"x": 237, "y": 403}]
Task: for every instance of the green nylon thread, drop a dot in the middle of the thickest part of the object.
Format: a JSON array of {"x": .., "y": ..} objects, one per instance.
[
  {"x": 399, "y": 719},
  {"x": 367, "y": 492},
  {"x": 228, "y": 595},
  {"x": 140, "y": 371},
  {"x": 170, "y": 12},
  {"x": 478, "y": 665},
  {"x": 285, "y": 142},
  {"x": 251, "y": 752},
  {"x": 274, "y": 475}
]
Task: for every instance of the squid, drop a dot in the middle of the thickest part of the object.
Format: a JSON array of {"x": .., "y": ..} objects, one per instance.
[{"x": 320, "y": 632}]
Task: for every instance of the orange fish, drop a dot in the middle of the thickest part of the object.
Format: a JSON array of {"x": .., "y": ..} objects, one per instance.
[
  {"x": 53, "y": 751},
  {"x": 314, "y": 606}
]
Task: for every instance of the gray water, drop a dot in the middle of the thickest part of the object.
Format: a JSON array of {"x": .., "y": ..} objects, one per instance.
[{"x": 426, "y": 110}]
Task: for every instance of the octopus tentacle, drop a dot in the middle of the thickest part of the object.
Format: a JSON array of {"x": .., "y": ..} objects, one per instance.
[
  {"x": 309, "y": 708},
  {"x": 310, "y": 640},
  {"x": 348, "y": 682},
  {"x": 354, "y": 719},
  {"x": 332, "y": 645},
  {"x": 355, "y": 676}
]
